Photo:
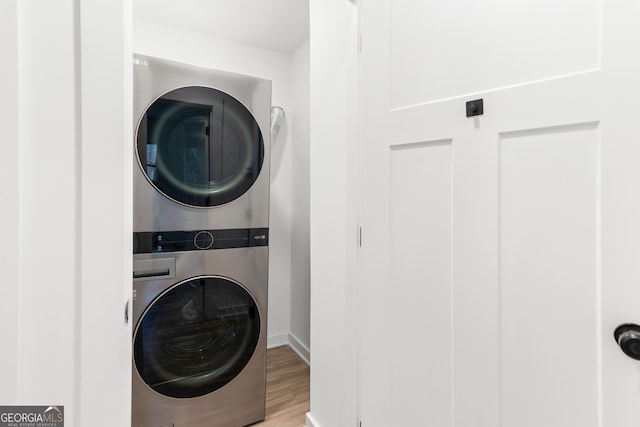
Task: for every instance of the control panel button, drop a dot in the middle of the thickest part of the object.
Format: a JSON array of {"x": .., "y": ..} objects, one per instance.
[{"x": 203, "y": 240}]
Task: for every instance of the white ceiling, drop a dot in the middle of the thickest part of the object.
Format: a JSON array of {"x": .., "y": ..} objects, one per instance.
[{"x": 280, "y": 25}]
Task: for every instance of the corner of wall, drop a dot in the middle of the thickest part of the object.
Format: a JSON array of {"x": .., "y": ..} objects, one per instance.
[
  {"x": 300, "y": 348},
  {"x": 310, "y": 421}
]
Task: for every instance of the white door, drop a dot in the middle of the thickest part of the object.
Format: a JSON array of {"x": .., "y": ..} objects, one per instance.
[{"x": 499, "y": 252}]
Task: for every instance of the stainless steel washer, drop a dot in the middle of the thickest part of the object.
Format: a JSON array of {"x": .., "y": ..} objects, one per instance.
[{"x": 200, "y": 329}]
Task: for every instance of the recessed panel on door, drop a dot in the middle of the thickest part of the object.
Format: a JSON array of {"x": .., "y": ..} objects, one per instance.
[
  {"x": 442, "y": 49},
  {"x": 549, "y": 285},
  {"x": 419, "y": 292}
]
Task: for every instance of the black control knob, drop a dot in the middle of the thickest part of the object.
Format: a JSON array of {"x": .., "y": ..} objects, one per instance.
[{"x": 628, "y": 338}]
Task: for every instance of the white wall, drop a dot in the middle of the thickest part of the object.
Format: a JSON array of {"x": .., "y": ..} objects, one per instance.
[
  {"x": 104, "y": 160},
  {"x": 48, "y": 205},
  {"x": 199, "y": 49},
  {"x": 299, "y": 117},
  {"x": 333, "y": 213},
  {"x": 10, "y": 212},
  {"x": 66, "y": 260}
]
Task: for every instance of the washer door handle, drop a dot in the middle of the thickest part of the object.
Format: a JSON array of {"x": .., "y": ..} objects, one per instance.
[
  {"x": 153, "y": 273},
  {"x": 628, "y": 338},
  {"x": 154, "y": 269}
]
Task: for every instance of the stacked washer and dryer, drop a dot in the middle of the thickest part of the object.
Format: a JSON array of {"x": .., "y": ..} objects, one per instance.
[{"x": 201, "y": 218}]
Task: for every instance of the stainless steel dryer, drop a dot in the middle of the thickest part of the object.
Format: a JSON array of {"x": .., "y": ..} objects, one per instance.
[
  {"x": 200, "y": 325},
  {"x": 202, "y": 148}
]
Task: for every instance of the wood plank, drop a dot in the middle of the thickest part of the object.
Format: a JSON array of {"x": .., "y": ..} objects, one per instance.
[{"x": 287, "y": 389}]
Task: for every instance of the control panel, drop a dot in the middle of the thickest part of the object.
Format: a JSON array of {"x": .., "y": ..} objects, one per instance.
[{"x": 198, "y": 240}]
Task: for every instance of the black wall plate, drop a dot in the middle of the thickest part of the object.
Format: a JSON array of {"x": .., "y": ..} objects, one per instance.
[{"x": 475, "y": 108}]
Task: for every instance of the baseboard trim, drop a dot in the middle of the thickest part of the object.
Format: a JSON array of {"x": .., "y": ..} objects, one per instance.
[
  {"x": 302, "y": 350},
  {"x": 277, "y": 340},
  {"x": 310, "y": 421},
  {"x": 293, "y": 342}
]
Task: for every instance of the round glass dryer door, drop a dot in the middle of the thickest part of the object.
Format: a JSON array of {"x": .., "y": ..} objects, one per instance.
[
  {"x": 199, "y": 146},
  {"x": 196, "y": 337}
]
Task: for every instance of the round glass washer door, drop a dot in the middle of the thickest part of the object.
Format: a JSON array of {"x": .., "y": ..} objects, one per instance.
[
  {"x": 199, "y": 146},
  {"x": 196, "y": 337}
]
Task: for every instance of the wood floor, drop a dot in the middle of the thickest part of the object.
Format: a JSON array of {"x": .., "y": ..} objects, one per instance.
[{"x": 287, "y": 389}]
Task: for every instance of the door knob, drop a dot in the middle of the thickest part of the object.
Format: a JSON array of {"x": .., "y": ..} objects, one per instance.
[{"x": 628, "y": 338}]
